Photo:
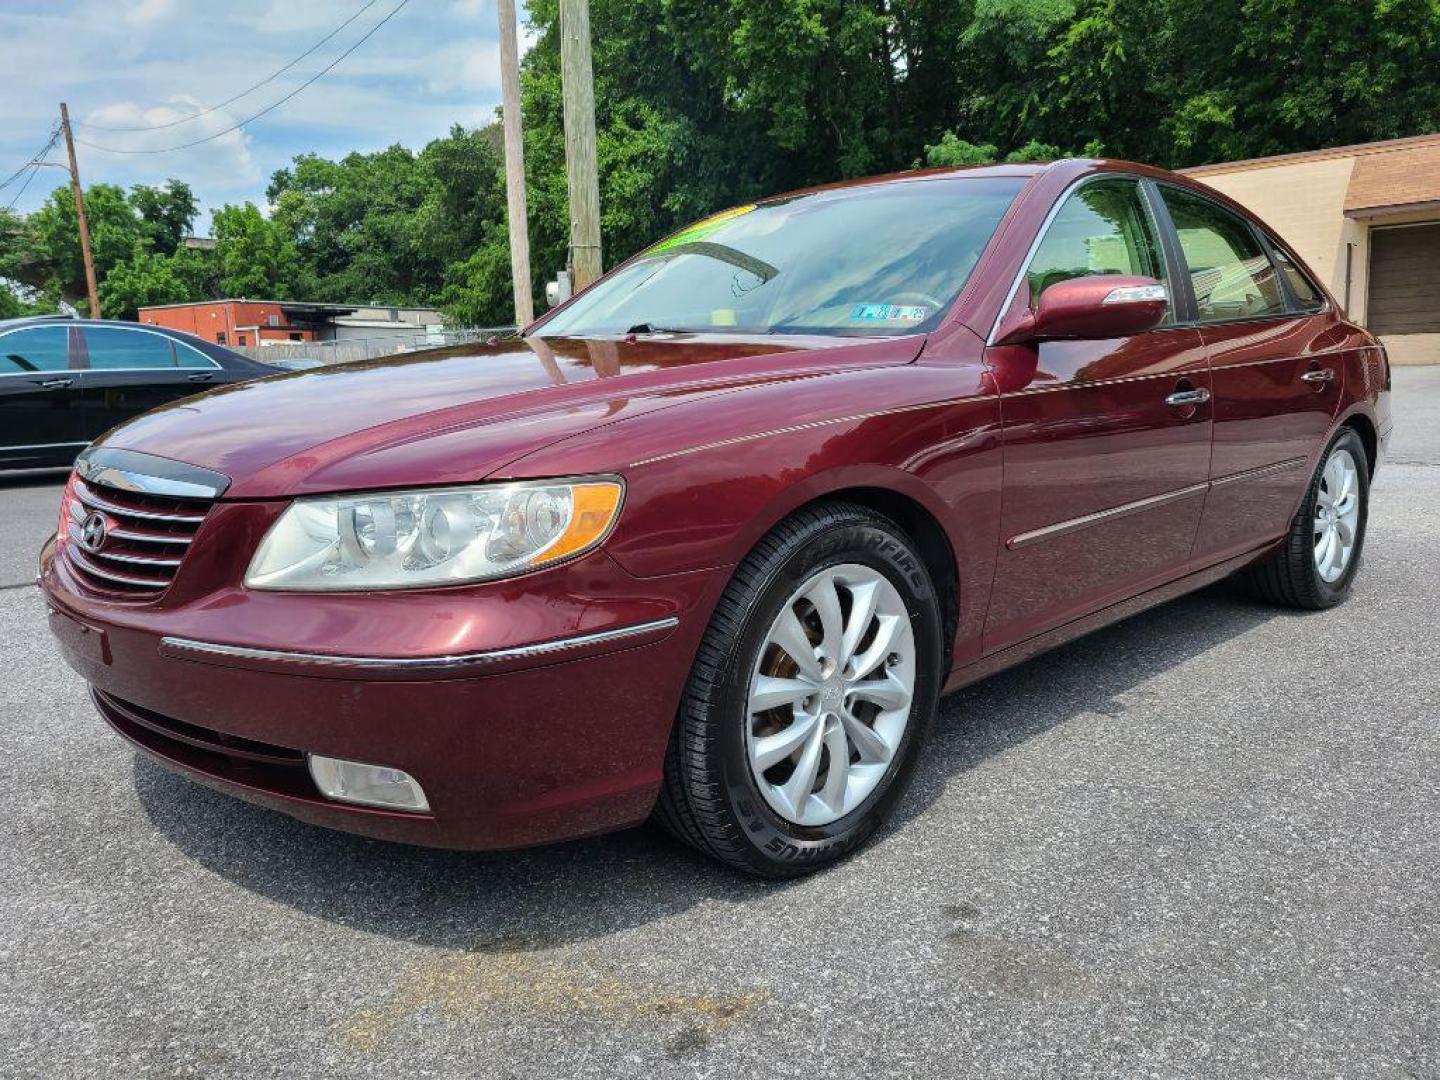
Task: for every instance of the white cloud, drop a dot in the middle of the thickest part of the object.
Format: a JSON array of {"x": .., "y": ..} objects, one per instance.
[
  {"x": 147, "y": 11},
  {"x": 432, "y": 66},
  {"x": 225, "y": 159},
  {"x": 465, "y": 66}
]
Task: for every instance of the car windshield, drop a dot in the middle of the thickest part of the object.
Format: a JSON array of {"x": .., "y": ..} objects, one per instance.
[{"x": 880, "y": 260}]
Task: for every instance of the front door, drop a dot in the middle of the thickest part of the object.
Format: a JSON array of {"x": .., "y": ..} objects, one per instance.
[
  {"x": 1276, "y": 376},
  {"x": 1105, "y": 468},
  {"x": 40, "y": 420}
]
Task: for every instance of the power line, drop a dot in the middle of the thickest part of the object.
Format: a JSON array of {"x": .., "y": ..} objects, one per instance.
[
  {"x": 34, "y": 168},
  {"x": 243, "y": 93},
  {"x": 269, "y": 108},
  {"x": 54, "y": 135}
]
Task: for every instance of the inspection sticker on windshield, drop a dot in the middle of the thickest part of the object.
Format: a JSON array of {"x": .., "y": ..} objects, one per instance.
[{"x": 889, "y": 312}]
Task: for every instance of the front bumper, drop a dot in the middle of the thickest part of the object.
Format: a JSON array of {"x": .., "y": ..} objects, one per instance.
[{"x": 557, "y": 736}]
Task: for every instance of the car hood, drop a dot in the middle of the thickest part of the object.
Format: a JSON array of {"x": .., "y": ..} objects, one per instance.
[{"x": 457, "y": 414}]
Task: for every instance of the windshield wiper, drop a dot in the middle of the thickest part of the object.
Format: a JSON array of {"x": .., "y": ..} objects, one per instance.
[{"x": 649, "y": 328}]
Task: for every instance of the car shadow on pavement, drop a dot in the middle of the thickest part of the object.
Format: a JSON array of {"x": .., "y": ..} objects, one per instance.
[{"x": 581, "y": 890}]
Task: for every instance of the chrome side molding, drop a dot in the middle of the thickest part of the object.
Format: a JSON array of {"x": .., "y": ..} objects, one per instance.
[
  {"x": 1070, "y": 525},
  {"x": 1060, "y": 528}
]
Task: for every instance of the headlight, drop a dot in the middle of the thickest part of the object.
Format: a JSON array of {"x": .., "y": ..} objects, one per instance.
[{"x": 439, "y": 536}]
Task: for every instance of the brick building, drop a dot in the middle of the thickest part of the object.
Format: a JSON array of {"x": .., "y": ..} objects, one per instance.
[{"x": 261, "y": 322}]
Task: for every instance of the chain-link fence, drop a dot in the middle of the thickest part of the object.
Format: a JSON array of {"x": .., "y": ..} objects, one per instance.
[{"x": 346, "y": 350}]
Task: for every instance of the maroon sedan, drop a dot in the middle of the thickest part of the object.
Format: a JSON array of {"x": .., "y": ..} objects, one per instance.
[{"x": 711, "y": 539}]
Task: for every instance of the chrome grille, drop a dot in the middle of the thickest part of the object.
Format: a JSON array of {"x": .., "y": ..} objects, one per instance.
[{"x": 127, "y": 532}]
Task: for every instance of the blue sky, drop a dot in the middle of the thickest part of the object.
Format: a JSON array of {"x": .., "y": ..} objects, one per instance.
[{"x": 127, "y": 63}]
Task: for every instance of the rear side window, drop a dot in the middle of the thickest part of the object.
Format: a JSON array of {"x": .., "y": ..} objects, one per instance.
[
  {"x": 1103, "y": 228},
  {"x": 113, "y": 348},
  {"x": 37, "y": 348},
  {"x": 1307, "y": 296},
  {"x": 1232, "y": 276}
]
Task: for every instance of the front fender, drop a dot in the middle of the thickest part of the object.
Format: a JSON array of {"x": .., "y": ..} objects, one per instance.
[{"x": 705, "y": 482}]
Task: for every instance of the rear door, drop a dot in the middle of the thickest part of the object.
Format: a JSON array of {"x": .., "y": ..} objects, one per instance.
[
  {"x": 131, "y": 370},
  {"x": 1275, "y": 378},
  {"x": 40, "y": 416},
  {"x": 1104, "y": 469}
]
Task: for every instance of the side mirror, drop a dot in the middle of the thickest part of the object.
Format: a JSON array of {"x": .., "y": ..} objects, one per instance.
[{"x": 1096, "y": 307}]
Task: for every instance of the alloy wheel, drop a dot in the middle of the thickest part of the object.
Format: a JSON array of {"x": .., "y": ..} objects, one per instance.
[
  {"x": 830, "y": 696},
  {"x": 1337, "y": 515}
]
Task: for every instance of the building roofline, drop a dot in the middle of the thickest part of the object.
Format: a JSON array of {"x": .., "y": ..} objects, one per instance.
[
  {"x": 313, "y": 305},
  {"x": 1355, "y": 150}
]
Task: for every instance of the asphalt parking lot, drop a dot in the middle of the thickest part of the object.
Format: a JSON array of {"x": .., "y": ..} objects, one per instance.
[{"x": 1202, "y": 843}]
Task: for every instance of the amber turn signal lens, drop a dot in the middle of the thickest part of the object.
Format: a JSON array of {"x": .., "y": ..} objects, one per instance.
[{"x": 596, "y": 505}]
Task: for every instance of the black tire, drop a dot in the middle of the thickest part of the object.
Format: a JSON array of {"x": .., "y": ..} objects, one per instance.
[
  {"x": 710, "y": 798},
  {"x": 1289, "y": 577}
]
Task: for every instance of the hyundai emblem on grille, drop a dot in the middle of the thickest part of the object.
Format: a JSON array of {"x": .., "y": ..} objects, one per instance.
[{"x": 92, "y": 533}]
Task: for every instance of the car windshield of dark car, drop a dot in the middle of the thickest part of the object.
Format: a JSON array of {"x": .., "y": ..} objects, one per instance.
[{"x": 878, "y": 260}]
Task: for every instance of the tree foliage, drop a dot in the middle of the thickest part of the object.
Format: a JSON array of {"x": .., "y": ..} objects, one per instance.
[{"x": 701, "y": 104}]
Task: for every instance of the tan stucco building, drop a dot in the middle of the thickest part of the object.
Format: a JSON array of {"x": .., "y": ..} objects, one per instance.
[{"x": 1367, "y": 220}]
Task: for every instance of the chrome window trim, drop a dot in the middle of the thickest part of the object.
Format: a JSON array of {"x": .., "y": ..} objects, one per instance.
[
  {"x": 422, "y": 663},
  {"x": 1060, "y": 202},
  {"x": 1265, "y": 239},
  {"x": 138, "y": 329},
  {"x": 40, "y": 374}
]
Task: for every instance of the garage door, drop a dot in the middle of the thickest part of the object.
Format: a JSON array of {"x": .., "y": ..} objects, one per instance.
[{"x": 1405, "y": 280}]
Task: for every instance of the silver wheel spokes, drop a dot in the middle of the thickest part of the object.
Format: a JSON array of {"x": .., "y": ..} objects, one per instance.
[
  {"x": 1337, "y": 515},
  {"x": 830, "y": 696}
]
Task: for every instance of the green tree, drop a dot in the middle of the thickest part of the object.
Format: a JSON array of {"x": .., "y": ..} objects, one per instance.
[
  {"x": 57, "y": 266},
  {"x": 167, "y": 214},
  {"x": 255, "y": 257},
  {"x": 148, "y": 278}
]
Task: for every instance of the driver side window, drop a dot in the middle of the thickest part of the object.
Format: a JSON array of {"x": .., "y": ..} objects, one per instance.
[{"x": 1103, "y": 228}]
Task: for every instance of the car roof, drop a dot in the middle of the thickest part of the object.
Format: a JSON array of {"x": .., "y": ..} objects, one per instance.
[
  {"x": 24, "y": 320},
  {"x": 1073, "y": 168}
]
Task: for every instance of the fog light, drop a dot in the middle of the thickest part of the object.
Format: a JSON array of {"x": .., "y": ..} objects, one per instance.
[{"x": 368, "y": 785}]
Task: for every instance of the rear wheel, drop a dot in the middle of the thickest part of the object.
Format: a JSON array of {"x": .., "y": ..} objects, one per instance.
[
  {"x": 1316, "y": 565},
  {"x": 812, "y": 691}
]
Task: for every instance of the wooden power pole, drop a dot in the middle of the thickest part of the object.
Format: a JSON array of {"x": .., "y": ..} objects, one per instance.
[
  {"x": 578, "y": 90},
  {"x": 90, "y": 285},
  {"x": 515, "y": 203}
]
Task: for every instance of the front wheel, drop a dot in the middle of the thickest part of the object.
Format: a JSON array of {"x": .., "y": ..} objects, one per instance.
[
  {"x": 811, "y": 694},
  {"x": 1316, "y": 565}
]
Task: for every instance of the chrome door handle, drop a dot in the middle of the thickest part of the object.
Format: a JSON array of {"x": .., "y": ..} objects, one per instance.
[
  {"x": 1319, "y": 375},
  {"x": 1188, "y": 397},
  {"x": 203, "y": 376},
  {"x": 55, "y": 384}
]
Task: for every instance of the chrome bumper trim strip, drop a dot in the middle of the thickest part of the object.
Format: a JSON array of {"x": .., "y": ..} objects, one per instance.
[{"x": 421, "y": 663}]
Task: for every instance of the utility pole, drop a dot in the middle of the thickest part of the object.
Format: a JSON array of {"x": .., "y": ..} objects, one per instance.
[
  {"x": 90, "y": 285},
  {"x": 578, "y": 90},
  {"x": 515, "y": 207}
]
